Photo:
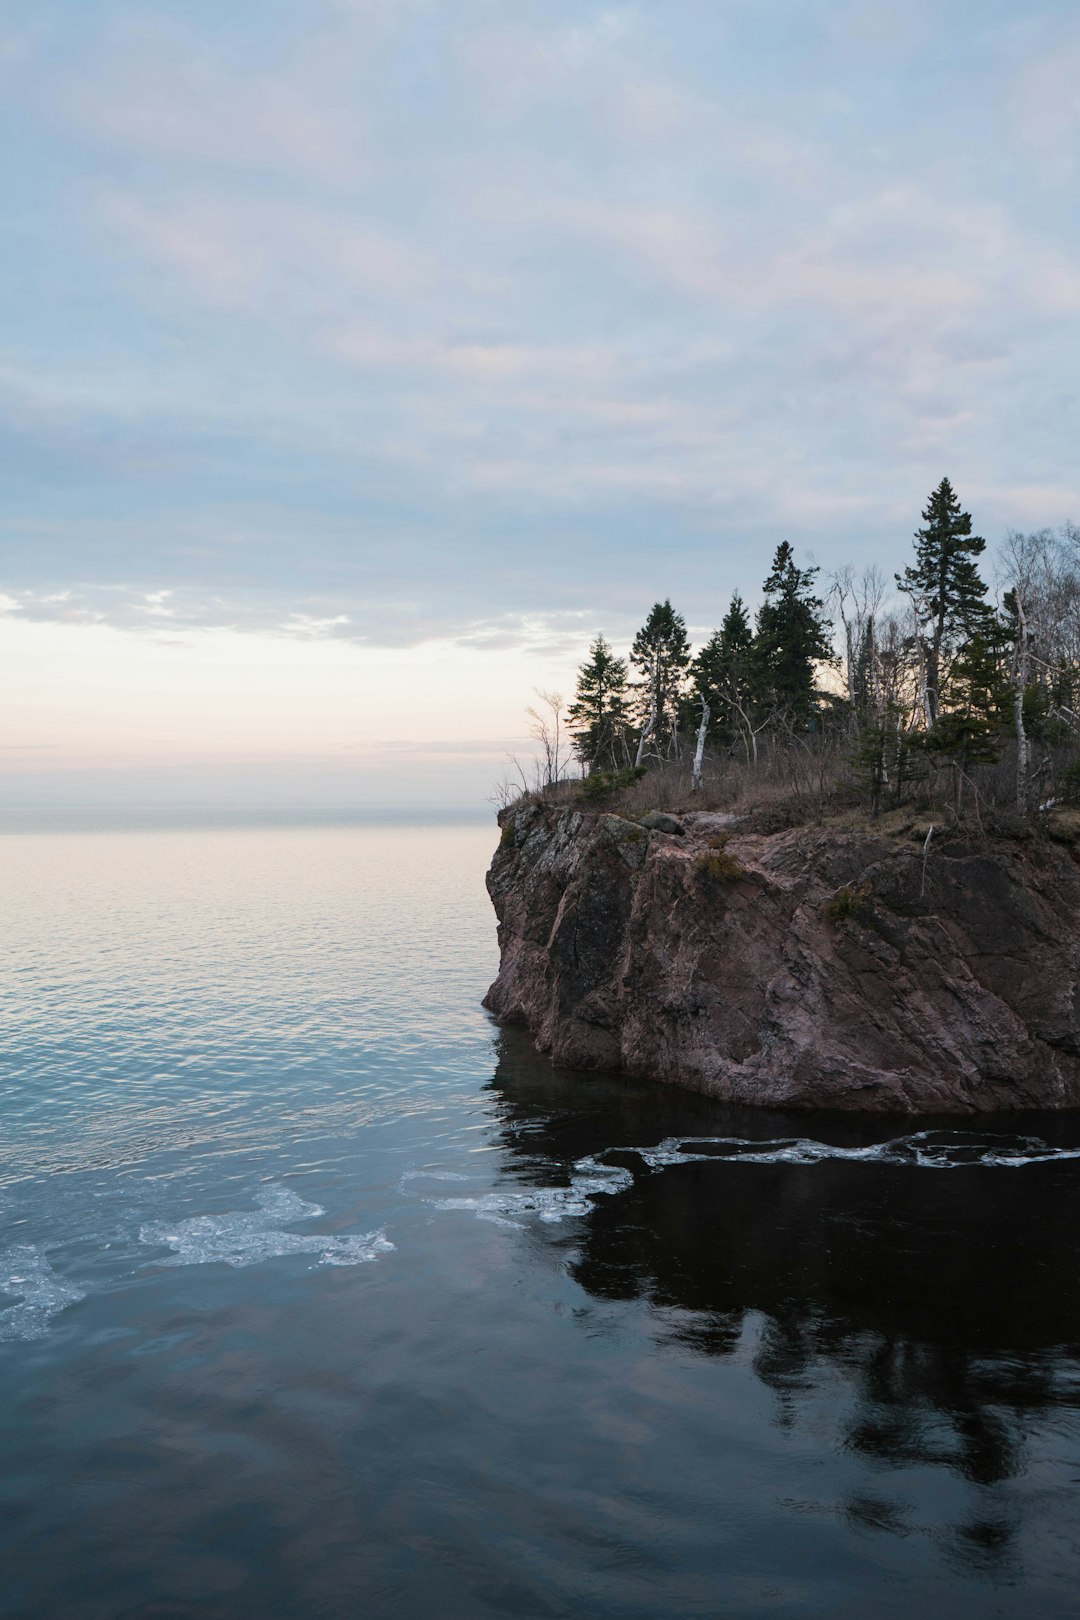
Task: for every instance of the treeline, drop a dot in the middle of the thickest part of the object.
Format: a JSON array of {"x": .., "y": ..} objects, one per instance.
[{"x": 920, "y": 684}]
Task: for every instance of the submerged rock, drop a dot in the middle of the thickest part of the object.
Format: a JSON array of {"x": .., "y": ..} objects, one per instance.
[{"x": 815, "y": 967}]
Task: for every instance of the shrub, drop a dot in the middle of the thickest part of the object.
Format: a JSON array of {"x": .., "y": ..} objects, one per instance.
[
  {"x": 849, "y": 901},
  {"x": 718, "y": 864},
  {"x": 600, "y": 785}
]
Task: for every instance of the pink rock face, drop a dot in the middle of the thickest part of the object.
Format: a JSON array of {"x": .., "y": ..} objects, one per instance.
[{"x": 951, "y": 987}]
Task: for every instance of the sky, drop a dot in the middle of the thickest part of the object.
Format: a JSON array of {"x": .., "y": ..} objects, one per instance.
[{"x": 360, "y": 359}]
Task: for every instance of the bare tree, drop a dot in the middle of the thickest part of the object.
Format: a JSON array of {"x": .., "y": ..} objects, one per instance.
[
  {"x": 1042, "y": 574},
  {"x": 547, "y": 727},
  {"x": 1020, "y": 685},
  {"x": 855, "y": 600}
]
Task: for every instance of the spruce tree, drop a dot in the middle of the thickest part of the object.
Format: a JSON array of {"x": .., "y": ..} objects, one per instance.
[
  {"x": 598, "y": 715},
  {"x": 721, "y": 672},
  {"x": 660, "y": 654},
  {"x": 792, "y": 639},
  {"x": 970, "y": 732},
  {"x": 947, "y": 592}
]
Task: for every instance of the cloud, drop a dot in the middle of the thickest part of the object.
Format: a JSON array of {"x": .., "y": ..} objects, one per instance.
[
  {"x": 278, "y": 257},
  {"x": 385, "y": 623},
  {"x": 1028, "y": 505},
  {"x": 517, "y": 66},
  {"x": 408, "y": 319},
  {"x": 194, "y": 242},
  {"x": 1055, "y": 284},
  {"x": 487, "y": 363},
  {"x": 1046, "y": 112},
  {"x": 897, "y": 256},
  {"x": 158, "y": 91}
]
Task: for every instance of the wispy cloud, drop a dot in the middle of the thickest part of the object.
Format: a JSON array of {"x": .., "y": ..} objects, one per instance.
[
  {"x": 158, "y": 89},
  {"x": 1046, "y": 111},
  {"x": 380, "y": 319}
]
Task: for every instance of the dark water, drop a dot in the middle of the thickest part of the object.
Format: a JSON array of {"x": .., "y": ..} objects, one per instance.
[{"x": 324, "y": 1299}]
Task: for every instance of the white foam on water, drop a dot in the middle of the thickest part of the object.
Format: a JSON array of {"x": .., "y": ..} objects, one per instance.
[
  {"x": 924, "y": 1150},
  {"x": 593, "y": 1177},
  {"x": 25, "y": 1273},
  {"x": 244, "y": 1238}
]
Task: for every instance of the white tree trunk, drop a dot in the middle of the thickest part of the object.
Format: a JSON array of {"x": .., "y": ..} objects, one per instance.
[
  {"x": 1018, "y": 698},
  {"x": 650, "y": 727},
  {"x": 695, "y": 780},
  {"x": 654, "y": 709}
]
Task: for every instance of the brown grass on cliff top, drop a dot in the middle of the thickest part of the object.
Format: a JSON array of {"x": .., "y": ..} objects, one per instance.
[{"x": 803, "y": 786}]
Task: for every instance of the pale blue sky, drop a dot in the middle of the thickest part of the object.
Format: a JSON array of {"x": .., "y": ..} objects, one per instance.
[{"x": 389, "y": 320}]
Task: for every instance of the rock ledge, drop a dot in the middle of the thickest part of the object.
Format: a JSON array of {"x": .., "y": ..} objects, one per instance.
[{"x": 813, "y": 968}]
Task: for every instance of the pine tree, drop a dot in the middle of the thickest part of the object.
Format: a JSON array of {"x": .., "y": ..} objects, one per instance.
[
  {"x": 660, "y": 654},
  {"x": 792, "y": 639},
  {"x": 970, "y": 732},
  {"x": 880, "y": 754},
  {"x": 598, "y": 715},
  {"x": 946, "y": 590},
  {"x": 721, "y": 673}
]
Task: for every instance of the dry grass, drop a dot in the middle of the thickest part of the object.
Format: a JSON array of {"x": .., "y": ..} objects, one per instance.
[
  {"x": 720, "y": 866},
  {"x": 802, "y": 783}
]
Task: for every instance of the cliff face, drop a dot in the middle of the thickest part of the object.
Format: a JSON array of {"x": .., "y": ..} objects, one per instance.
[{"x": 812, "y": 968}]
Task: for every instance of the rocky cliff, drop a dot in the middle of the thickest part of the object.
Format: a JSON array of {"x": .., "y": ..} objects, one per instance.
[{"x": 813, "y": 968}]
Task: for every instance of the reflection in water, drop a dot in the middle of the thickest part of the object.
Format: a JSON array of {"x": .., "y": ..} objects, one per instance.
[
  {"x": 687, "y": 1361},
  {"x": 921, "y": 1303}
]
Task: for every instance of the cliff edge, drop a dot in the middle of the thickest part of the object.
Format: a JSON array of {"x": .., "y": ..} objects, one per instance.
[{"x": 816, "y": 967}]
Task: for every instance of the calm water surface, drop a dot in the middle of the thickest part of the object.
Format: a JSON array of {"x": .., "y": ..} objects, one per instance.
[{"x": 322, "y": 1297}]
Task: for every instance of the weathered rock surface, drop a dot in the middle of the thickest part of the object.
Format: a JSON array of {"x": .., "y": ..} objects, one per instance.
[{"x": 952, "y": 986}]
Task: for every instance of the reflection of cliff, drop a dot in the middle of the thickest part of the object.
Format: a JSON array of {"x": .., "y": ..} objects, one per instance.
[
  {"x": 930, "y": 1292},
  {"x": 935, "y": 1313},
  {"x": 817, "y": 967}
]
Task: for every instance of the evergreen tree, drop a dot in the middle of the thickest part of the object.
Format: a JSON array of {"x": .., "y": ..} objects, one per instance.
[
  {"x": 598, "y": 715},
  {"x": 660, "y": 654},
  {"x": 887, "y": 755},
  {"x": 792, "y": 639},
  {"x": 969, "y": 733},
  {"x": 721, "y": 673},
  {"x": 945, "y": 587}
]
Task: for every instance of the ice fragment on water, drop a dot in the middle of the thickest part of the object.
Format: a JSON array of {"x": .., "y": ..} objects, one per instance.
[
  {"x": 25, "y": 1272},
  {"x": 594, "y": 1176},
  {"x": 925, "y": 1150},
  {"x": 589, "y": 1180},
  {"x": 244, "y": 1238}
]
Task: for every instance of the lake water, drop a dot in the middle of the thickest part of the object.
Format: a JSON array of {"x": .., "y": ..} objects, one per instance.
[{"x": 323, "y": 1297}]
